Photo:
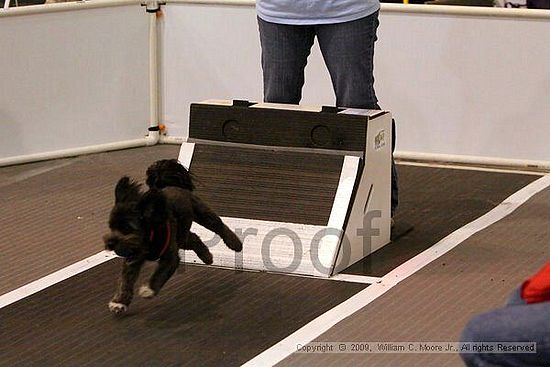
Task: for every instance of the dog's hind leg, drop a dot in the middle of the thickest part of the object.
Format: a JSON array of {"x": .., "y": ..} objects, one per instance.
[
  {"x": 194, "y": 243},
  {"x": 210, "y": 220},
  {"x": 166, "y": 267},
  {"x": 125, "y": 292}
]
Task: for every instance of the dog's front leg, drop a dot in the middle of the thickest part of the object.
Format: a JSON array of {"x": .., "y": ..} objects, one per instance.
[
  {"x": 166, "y": 267},
  {"x": 125, "y": 292}
]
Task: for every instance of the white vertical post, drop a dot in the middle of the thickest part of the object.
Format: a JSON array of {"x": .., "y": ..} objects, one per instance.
[{"x": 152, "y": 8}]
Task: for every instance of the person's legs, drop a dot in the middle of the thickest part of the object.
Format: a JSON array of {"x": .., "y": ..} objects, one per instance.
[
  {"x": 517, "y": 322},
  {"x": 285, "y": 49},
  {"x": 348, "y": 51}
]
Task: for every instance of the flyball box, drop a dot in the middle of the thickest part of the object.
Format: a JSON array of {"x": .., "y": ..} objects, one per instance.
[{"x": 306, "y": 188}]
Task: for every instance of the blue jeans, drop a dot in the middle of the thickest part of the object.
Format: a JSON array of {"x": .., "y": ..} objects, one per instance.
[
  {"x": 348, "y": 52},
  {"x": 516, "y": 322}
]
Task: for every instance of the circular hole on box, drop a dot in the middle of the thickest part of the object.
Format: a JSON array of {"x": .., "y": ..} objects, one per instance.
[
  {"x": 320, "y": 135},
  {"x": 230, "y": 129}
]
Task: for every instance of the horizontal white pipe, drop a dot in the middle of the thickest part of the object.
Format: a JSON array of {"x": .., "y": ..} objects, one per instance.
[
  {"x": 385, "y": 7},
  {"x": 528, "y": 165},
  {"x": 171, "y": 139},
  {"x": 59, "y": 7},
  {"x": 475, "y": 11},
  {"x": 214, "y": 2},
  {"x": 412, "y": 8},
  {"x": 150, "y": 140}
]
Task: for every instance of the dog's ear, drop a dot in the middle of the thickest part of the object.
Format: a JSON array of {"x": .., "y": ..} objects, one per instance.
[
  {"x": 153, "y": 207},
  {"x": 127, "y": 190}
]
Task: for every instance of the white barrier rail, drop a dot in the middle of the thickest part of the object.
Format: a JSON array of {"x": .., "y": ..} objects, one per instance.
[
  {"x": 473, "y": 161},
  {"x": 384, "y": 8},
  {"x": 411, "y": 9},
  {"x": 9, "y": 11}
]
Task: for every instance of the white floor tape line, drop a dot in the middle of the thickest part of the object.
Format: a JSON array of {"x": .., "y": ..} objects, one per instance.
[
  {"x": 352, "y": 278},
  {"x": 516, "y": 171},
  {"x": 321, "y": 324},
  {"x": 51, "y": 279},
  {"x": 36, "y": 172}
]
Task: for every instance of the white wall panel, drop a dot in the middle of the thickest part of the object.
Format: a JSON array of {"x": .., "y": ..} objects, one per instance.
[
  {"x": 467, "y": 85},
  {"x": 74, "y": 78}
]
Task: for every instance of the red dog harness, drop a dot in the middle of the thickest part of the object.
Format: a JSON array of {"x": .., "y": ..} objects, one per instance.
[{"x": 156, "y": 250}]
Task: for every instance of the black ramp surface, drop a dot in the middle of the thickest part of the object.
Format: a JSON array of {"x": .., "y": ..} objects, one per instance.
[
  {"x": 203, "y": 317},
  {"x": 436, "y": 202},
  {"x": 267, "y": 184}
]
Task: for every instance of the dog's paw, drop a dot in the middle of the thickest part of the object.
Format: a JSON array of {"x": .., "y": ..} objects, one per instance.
[
  {"x": 205, "y": 256},
  {"x": 146, "y": 292},
  {"x": 232, "y": 241},
  {"x": 208, "y": 259},
  {"x": 117, "y": 308}
]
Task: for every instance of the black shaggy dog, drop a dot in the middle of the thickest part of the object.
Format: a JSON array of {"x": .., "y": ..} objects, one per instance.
[{"x": 154, "y": 225}]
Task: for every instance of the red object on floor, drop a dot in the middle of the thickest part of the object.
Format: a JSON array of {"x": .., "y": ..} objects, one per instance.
[{"x": 537, "y": 288}]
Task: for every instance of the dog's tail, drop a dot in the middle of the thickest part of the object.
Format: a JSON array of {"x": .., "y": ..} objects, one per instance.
[{"x": 169, "y": 172}]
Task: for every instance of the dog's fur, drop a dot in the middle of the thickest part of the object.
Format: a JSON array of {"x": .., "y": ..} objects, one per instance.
[{"x": 155, "y": 224}]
